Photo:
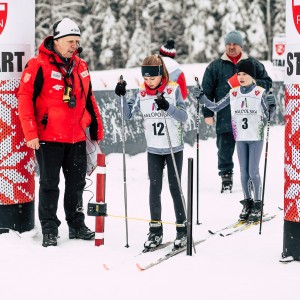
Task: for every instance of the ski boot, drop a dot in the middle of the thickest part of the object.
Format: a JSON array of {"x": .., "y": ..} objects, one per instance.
[
  {"x": 49, "y": 239},
  {"x": 82, "y": 233},
  {"x": 155, "y": 236},
  {"x": 247, "y": 206},
  {"x": 255, "y": 212},
  {"x": 226, "y": 182},
  {"x": 181, "y": 236}
]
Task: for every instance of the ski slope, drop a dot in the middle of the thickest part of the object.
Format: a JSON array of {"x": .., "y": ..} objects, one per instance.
[{"x": 244, "y": 265}]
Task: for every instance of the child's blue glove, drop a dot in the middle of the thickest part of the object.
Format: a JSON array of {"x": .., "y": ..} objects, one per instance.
[
  {"x": 197, "y": 91},
  {"x": 271, "y": 100}
]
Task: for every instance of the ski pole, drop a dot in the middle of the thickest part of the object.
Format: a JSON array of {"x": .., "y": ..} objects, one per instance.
[
  {"x": 175, "y": 166},
  {"x": 265, "y": 169},
  {"x": 124, "y": 167},
  {"x": 197, "y": 138}
]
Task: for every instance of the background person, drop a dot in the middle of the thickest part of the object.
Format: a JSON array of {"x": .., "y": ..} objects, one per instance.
[
  {"x": 215, "y": 86},
  {"x": 168, "y": 53}
]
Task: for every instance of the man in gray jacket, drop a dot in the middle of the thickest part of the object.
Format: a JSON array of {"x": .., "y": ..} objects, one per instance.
[{"x": 217, "y": 81}]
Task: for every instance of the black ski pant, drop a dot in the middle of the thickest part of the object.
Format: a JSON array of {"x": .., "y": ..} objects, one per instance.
[
  {"x": 71, "y": 158},
  {"x": 225, "y": 144},
  {"x": 156, "y": 164}
]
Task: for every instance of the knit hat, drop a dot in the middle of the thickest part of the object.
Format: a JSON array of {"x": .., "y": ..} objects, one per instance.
[
  {"x": 168, "y": 49},
  {"x": 247, "y": 67},
  {"x": 65, "y": 27},
  {"x": 234, "y": 37}
]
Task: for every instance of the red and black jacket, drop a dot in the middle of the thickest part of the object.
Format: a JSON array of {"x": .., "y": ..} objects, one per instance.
[{"x": 43, "y": 113}]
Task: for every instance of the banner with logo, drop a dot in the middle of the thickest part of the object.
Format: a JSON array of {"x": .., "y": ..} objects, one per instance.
[
  {"x": 278, "y": 52},
  {"x": 17, "y": 164},
  {"x": 17, "y": 36},
  {"x": 292, "y": 74}
]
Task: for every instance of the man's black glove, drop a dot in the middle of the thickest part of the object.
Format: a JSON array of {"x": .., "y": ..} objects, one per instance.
[
  {"x": 271, "y": 100},
  {"x": 121, "y": 88},
  {"x": 161, "y": 102}
]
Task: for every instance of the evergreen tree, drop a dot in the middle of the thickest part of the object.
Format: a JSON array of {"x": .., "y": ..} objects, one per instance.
[
  {"x": 91, "y": 35},
  {"x": 231, "y": 15},
  {"x": 121, "y": 33},
  {"x": 278, "y": 16},
  {"x": 256, "y": 32},
  {"x": 42, "y": 20},
  {"x": 200, "y": 35},
  {"x": 138, "y": 47}
]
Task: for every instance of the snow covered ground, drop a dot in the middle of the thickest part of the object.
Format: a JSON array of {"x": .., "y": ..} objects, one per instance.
[{"x": 242, "y": 266}]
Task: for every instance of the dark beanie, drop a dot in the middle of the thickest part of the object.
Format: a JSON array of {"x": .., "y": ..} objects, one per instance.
[
  {"x": 168, "y": 49},
  {"x": 247, "y": 67}
]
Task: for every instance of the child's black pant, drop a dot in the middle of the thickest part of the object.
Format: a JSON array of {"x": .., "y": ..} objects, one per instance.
[{"x": 156, "y": 165}]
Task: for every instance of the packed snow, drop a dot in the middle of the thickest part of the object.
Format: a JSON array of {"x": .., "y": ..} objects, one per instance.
[{"x": 242, "y": 266}]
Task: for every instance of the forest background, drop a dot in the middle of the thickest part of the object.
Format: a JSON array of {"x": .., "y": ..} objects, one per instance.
[{"x": 121, "y": 33}]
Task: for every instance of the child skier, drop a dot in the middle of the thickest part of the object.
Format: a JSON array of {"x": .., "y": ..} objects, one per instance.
[
  {"x": 249, "y": 105},
  {"x": 170, "y": 103}
]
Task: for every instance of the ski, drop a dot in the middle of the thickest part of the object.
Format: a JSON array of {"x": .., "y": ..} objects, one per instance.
[
  {"x": 238, "y": 226},
  {"x": 166, "y": 256},
  {"x": 246, "y": 226},
  {"x": 159, "y": 247},
  {"x": 180, "y": 250},
  {"x": 287, "y": 259},
  {"x": 233, "y": 225}
]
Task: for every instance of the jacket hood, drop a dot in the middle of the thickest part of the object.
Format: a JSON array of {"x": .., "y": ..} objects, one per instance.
[{"x": 47, "y": 47}]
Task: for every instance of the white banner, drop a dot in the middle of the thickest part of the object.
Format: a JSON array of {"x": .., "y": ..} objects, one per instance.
[
  {"x": 292, "y": 61},
  {"x": 292, "y": 70},
  {"x": 17, "y": 36},
  {"x": 292, "y": 21}
]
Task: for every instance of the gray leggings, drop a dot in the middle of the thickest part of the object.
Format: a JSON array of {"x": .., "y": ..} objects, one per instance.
[{"x": 249, "y": 153}]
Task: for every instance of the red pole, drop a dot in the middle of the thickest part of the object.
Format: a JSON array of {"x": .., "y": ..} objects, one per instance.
[{"x": 100, "y": 197}]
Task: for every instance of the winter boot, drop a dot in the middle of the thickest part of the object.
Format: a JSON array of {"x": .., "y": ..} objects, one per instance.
[
  {"x": 155, "y": 236},
  {"x": 255, "y": 212},
  {"x": 49, "y": 239},
  {"x": 247, "y": 206},
  {"x": 82, "y": 233},
  {"x": 181, "y": 236},
  {"x": 226, "y": 182}
]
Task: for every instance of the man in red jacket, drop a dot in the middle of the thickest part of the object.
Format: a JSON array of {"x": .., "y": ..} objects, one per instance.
[{"x": 56, "y": 107}]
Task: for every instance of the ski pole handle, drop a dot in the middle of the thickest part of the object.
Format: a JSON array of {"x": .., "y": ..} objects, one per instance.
[
  {"x": 158, "y": 95},
  {"x": 200, "y": 90},
  {"x": 122, "y": 104}
]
